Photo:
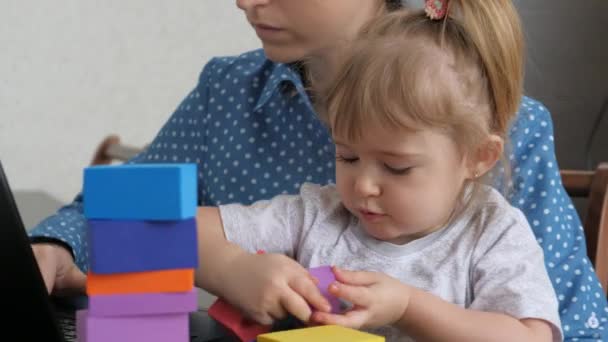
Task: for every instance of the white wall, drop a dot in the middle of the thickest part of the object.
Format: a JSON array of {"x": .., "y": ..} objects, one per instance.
[{"x": 73, "y": 71}]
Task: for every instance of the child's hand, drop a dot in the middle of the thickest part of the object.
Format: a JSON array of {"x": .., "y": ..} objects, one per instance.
[
  {"x": 377, "y": 300},
  {"x": 269, "y": 286}
]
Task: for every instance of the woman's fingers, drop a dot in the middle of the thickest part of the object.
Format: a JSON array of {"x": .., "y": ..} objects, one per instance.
[
  {"x": 46, "y": 264},
  {"x": 73, "y": 282}
]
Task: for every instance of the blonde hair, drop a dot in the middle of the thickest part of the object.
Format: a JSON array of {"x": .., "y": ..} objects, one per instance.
[{"x": 462, "y": 74}]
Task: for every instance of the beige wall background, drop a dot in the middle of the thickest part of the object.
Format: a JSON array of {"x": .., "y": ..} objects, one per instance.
[
  {"x": 73, "y": 71},
  {"x": 567, "y": 69}
]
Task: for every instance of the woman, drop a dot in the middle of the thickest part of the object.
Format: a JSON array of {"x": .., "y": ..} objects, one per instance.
[{"x": 251, "y": 127}]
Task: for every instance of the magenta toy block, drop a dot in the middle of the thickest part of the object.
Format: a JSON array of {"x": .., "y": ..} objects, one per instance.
[
  {"x": 140, "y": 191},
  {"x": 156, "y": 328},
  {"x": 119, "y": 246},
  {"x": 326, "y": 277},
  {"x": 142, "y": 304}
]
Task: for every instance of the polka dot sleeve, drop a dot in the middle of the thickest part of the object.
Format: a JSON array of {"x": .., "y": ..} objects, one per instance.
[
  {"x": 539, "y": 193},
  {"x": 68, "y": 225}
]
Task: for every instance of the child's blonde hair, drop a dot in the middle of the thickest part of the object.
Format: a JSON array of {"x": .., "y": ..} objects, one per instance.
[{"x": 462, "y": 74}]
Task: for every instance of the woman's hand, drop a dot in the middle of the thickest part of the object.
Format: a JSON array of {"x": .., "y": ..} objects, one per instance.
[
  {"x": 60, "y": 273},
  {"x": 269, "y": 286},
  {"x": 377, "y": 300}
]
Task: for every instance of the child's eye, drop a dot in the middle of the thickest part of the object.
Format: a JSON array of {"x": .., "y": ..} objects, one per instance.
[
  {"x": 343, "y": 159},
  {"x": 398, "y": 171}
]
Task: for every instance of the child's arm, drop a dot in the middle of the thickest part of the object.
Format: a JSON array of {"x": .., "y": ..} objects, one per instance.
[
  {"x": 429, "y": 318},
  {"x": 266, "y": 287},
  {"x": 381, "y": 300}
]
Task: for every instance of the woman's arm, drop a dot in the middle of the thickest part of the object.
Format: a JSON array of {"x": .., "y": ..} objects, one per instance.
[{"x": 539, "y": 193}]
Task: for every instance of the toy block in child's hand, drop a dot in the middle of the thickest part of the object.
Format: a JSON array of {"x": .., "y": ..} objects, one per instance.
[
  {"x": 326, "y": 277},
  {"x": 325, "y": 333},
  {"x": 150, "y": 328},
  {"x": 140, "y": 191},
  {"x": 232, "y": 319},
  {"x": 140, "y": 304},
  {"x": 119, "y": 246},
  {"x": 179, "y": 280}
]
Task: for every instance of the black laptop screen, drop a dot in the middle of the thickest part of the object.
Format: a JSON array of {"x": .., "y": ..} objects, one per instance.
[{"x": 23, "y": 294}]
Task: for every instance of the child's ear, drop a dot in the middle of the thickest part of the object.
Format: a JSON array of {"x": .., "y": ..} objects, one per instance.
[{"x": 486, "y": 156}]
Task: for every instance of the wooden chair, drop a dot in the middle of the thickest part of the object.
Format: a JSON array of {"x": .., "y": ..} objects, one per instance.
[
  {"x": 593, "y": 185},
  {"x": 110, "y": 149}
]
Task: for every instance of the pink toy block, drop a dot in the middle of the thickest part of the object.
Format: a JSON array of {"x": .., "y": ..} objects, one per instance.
[
  {"x": 141, "y": 304},
  {"x": 326, "y": 277},
  {"x": 152, "y": 328},
  {"x": 234, "y": 321}
]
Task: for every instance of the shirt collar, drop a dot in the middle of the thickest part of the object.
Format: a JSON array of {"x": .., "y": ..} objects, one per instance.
[{"x": 279, "y": 75}]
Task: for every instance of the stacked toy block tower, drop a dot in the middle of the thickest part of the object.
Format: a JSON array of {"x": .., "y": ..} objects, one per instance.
[{"x": 142, "y": 252}]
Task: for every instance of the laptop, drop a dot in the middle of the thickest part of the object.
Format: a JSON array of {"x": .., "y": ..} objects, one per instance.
[{"x": 23, "y": 293}]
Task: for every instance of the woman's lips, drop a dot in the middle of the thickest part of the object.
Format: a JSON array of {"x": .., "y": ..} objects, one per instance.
[{"x": 267, "y": 32}]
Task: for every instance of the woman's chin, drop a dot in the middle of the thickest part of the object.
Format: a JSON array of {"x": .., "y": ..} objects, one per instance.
[{"x": 281, "y": 54}]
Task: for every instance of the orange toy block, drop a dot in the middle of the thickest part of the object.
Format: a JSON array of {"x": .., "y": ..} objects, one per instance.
[{"x": 175, "y": 280}]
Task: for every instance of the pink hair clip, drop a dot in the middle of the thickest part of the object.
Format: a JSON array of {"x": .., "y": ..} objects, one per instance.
[{"x": 436, "y": 9}]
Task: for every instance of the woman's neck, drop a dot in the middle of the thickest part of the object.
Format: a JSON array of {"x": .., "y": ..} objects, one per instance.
[{"x": 318, "y": 71}]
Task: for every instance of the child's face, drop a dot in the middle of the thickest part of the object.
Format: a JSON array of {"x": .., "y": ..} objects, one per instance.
[{"x": 401, "y": 184}]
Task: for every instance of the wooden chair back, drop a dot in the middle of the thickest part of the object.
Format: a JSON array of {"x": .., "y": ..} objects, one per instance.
[{"x": 110, "y": 149}]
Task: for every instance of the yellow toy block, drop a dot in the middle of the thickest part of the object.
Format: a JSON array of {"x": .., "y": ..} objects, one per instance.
[{"x": 324, "y": 333}]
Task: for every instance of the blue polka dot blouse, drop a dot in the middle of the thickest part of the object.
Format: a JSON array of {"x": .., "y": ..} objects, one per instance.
[{"x": 251, "y": 128}]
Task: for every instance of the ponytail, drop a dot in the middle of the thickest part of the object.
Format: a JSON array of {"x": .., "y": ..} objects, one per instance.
[{"x": 494, "y": 28}]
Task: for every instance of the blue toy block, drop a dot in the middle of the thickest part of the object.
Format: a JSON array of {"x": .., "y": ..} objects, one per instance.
[
  {"x": 140, "y": 191},
  {"x": 118, "y": 246}
]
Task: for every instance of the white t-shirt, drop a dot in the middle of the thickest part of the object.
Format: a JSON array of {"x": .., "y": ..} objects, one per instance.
[{"x": 485, "y": 259}]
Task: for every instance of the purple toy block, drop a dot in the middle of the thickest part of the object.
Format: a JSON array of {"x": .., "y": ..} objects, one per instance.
[
  {"x": 120, "y": 246},
  {"x": 81, "y": 332},
  {"x": 141, "y": 304},
  {"x": 326, "y": 277},
  {"x": 155, "y": 328}
]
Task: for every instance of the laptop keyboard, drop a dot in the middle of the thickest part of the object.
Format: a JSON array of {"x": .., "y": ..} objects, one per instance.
[{"x": 67, "y": 325}]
